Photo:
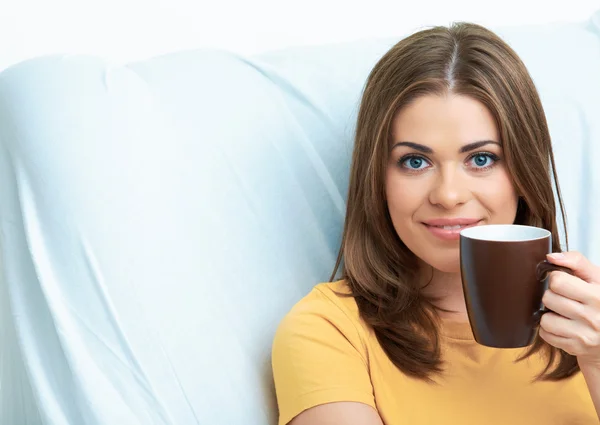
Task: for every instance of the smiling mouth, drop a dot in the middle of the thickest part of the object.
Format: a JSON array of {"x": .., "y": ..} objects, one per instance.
[
  {"x": 455, "y": 227},
  {"x": 451, "y": 223},
  {"x": 449, "y": 229}
]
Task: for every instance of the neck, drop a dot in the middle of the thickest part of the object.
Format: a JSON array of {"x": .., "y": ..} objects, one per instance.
[{"x": 446, "y": 290}]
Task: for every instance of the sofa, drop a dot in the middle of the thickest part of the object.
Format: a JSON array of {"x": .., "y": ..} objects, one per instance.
[{"x": 159, "y": 218}]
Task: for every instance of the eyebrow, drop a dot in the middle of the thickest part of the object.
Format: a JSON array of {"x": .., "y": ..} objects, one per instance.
[{"x": 466, "y": 148}]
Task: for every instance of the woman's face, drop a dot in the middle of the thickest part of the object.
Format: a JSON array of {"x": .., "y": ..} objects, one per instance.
[{"x": 446, "y": 172}]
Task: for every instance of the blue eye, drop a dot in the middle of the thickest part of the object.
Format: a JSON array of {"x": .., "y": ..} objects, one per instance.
[
  {"x": 483, "y": 160},
  {"x": 414, "y": 162}
]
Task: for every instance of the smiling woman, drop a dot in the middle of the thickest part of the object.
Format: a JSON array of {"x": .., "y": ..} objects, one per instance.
[
  {"x": 451, "y": 133},
  {"x": 453, "y": 178}
]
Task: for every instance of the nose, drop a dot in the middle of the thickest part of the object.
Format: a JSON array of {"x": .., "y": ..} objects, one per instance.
[{"x": 450, "y": 189}]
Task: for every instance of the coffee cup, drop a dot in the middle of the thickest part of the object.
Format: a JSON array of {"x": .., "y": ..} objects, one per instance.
[{"x": 504, "y": 276}]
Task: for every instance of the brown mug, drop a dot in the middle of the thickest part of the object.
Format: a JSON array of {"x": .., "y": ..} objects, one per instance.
[{"x": 504, "y": 276}]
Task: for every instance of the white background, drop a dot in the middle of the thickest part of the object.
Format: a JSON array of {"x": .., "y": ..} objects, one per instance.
[{"x": 126, "y": 30}]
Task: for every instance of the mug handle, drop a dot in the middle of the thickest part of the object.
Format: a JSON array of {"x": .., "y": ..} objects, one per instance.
[{"x": 542, "y": 270}]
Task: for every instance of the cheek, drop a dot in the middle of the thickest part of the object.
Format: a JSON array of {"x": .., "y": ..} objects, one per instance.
[
  {"x": 498, "y": 196},
  {"x": 404, "y": 197}
]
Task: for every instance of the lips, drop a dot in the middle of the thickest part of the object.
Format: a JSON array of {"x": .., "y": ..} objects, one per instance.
[
  {"x": 450, "y": 228},
  {"x": 458, "y": 226},
  {"x": 452, "y": 222}
]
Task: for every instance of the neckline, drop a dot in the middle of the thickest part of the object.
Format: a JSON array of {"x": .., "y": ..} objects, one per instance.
[{"x": 456, "y": 330}]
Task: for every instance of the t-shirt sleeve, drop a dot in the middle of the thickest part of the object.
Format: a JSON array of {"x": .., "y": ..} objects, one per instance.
[{"x": 319, "y": 357}]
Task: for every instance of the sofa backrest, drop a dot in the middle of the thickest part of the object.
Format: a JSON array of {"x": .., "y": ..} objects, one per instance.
[{"x": 157, "y": 220}]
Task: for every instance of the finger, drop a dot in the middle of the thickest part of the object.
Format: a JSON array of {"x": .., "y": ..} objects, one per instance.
[
  {"x": 557, "y": 341},
  {"x": 573, "y": 336},
  {"x": 559, "y": 325},
  {"x": 577, "y": 262},
  {"x": 574, "y": 288},
  {"x": 562, "y": 305}
]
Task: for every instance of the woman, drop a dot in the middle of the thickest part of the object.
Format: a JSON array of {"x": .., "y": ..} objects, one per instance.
[{"x": 450, "y": 133}]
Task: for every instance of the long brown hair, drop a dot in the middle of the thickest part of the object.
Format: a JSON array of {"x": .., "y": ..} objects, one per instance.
[{"x": 380, "y": 270}]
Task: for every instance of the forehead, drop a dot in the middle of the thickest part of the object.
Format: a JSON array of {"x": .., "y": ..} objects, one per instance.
[{"x": 434, "y": 120}]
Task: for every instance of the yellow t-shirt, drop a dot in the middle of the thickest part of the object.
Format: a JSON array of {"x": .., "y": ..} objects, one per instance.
[{"x": 323, "y": 352}]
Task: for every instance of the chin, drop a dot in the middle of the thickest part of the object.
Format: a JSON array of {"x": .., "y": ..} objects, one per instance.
[
  {"x": 447, "y": 267},
  {"x": 450, "y": 264}
]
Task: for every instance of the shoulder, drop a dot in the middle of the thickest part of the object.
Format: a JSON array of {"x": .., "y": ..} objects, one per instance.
[
  {"x": 327, "y": 296},
  {"x": 320, "y": 354},
  {"x": 327, "y": 305},
  {"x": 326, "y": 318}
]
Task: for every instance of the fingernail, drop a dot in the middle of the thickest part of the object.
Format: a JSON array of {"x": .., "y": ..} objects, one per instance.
[{"x": 557, "y": 255}]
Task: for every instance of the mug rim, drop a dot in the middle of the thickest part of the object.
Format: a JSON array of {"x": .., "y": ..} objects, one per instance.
[{"x": 520, "y": 233}]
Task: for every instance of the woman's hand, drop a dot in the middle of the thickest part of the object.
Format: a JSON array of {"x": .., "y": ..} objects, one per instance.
[{"x": 574, "y": 323}]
